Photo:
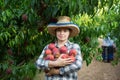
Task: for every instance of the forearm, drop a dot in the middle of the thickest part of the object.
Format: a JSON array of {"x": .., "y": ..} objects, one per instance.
[
  {"x": 71, "y": 68},
  {"x": 60, "y": 62},
  {"x": 52, "y": 64},
  {"x": 53, "y": 71}
]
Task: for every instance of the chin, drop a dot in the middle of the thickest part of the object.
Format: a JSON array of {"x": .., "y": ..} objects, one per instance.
[{"x": 62, "y": 39}]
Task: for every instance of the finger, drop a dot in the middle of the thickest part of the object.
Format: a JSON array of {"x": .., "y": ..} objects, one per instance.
[
  {"x": 69, "y": 61},
  {"x": 68, "y": 58}
]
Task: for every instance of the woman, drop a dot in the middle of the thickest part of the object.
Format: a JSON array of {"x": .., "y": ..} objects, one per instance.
[{"x": 62, "y": 68}]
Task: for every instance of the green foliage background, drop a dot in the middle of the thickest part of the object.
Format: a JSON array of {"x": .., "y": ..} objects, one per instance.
[{"x": 23, "y": 38}]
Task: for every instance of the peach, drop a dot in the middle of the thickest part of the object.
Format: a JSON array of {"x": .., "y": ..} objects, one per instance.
[
  {"x": 56, "y": 52},
  {"x": 73, "y": 52},
  {"x": 56, "y": 55},
  {"x": 49, "y": 57},
  {"x": 10, "y": 51},
  {"x": 24, "y": 17},
  {"x": 64, "y": 56},
  {"x": 48, "y": 51},
  {"x": 51, "y": 46},
  {"x": 87, "y": 39},
  {"x": 9, "y": 71},
  {"x": 63, "y": 49},
  {"x": 73, "y": 58}
]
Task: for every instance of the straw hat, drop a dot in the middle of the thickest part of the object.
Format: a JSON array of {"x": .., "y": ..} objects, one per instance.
[{"x": 63, "y": 22}]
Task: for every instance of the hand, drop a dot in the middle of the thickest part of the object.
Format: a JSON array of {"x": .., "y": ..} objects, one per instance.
[
  {"x": 52, "y": 71},
  {"x": 63, "y": 62}
]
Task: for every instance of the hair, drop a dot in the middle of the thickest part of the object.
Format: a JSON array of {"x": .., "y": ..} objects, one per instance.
[{"x": 66, "y": 28}]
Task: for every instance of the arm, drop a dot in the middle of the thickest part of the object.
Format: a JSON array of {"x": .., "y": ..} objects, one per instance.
[
  {"x": 41, "y": 63},
  {"x": 57, "y": 64},
  {"x": 46, "y": 64},
  {"x": 60, "y": 62},
  {"x": 74, "y": 66}
]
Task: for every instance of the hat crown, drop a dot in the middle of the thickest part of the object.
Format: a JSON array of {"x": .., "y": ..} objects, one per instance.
[
  {"x": 64, "y": 19},
  {"x": 63, "y": 22}
]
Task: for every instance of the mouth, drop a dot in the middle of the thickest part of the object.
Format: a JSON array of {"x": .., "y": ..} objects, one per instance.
[{"x": 61, "y": 36}]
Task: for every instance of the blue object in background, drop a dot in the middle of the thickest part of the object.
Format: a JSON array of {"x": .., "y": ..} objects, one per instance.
[{"x": 108, "y": 50}]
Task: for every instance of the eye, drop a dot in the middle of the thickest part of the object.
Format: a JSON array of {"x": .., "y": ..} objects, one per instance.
[
  {"x": 66, "y": 30},
  {"x": 58, "y": 30}
]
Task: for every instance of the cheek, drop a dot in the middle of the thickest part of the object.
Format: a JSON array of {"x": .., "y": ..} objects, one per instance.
[
  {"x": 56, "y": 33},
  {"x": 69, "y": 33}
]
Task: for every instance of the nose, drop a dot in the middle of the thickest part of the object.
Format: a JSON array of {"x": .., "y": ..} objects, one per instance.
[{"x": 61, "y": 32}]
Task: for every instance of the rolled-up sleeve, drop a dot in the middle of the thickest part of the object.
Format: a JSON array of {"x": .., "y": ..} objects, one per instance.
[
  {"x": 75, "y": 66},
  {"x": 41, "y": 63}
]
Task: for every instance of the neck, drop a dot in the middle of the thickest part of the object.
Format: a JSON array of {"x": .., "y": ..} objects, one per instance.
[{"x": 61, "y": 43}]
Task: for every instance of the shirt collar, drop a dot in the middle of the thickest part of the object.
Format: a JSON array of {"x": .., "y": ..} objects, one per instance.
[{"x": 66, "y": 44}]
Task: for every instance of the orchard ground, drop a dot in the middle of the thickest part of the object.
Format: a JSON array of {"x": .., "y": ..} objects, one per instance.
[{"x": 97, "y": 70}]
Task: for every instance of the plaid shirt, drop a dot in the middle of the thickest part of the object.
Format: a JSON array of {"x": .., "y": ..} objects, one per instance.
[{"x": 68, "y": 72}]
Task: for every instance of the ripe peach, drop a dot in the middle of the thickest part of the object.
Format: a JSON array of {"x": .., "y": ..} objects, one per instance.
[
  {"x": 63, "y": 49},
  {"x": 56, "y": 52},
  {"x": 72, "y": 57},
  {"x": 9, "y": 51},
  {"x": 9, "y": 71},
  {"x": 87, "y": 39},
  {"x": 73, "y": 52},
  {"x": 49, "y": 57},
  {"x": 48, "y": 51},
  {"x": 64, "y": 56},
  {"x": 24, "y": 17},
  {"x": 51, "y": 46}
]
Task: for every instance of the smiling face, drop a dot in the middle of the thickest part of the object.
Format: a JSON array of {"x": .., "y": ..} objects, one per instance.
[{"x": 62, "y": 34}]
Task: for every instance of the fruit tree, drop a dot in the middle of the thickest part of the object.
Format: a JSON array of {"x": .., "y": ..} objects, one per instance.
[{"x": 23, "y": 32}]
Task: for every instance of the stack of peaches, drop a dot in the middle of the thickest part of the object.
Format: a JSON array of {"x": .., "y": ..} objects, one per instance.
[{"x": 52, "y": 53}]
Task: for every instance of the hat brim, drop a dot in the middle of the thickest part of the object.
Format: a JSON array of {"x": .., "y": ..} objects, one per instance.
[{"x": 75, "y": 29}]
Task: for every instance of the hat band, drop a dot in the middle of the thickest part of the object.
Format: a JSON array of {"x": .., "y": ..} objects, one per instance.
[{"x": 57, "y": 24}]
